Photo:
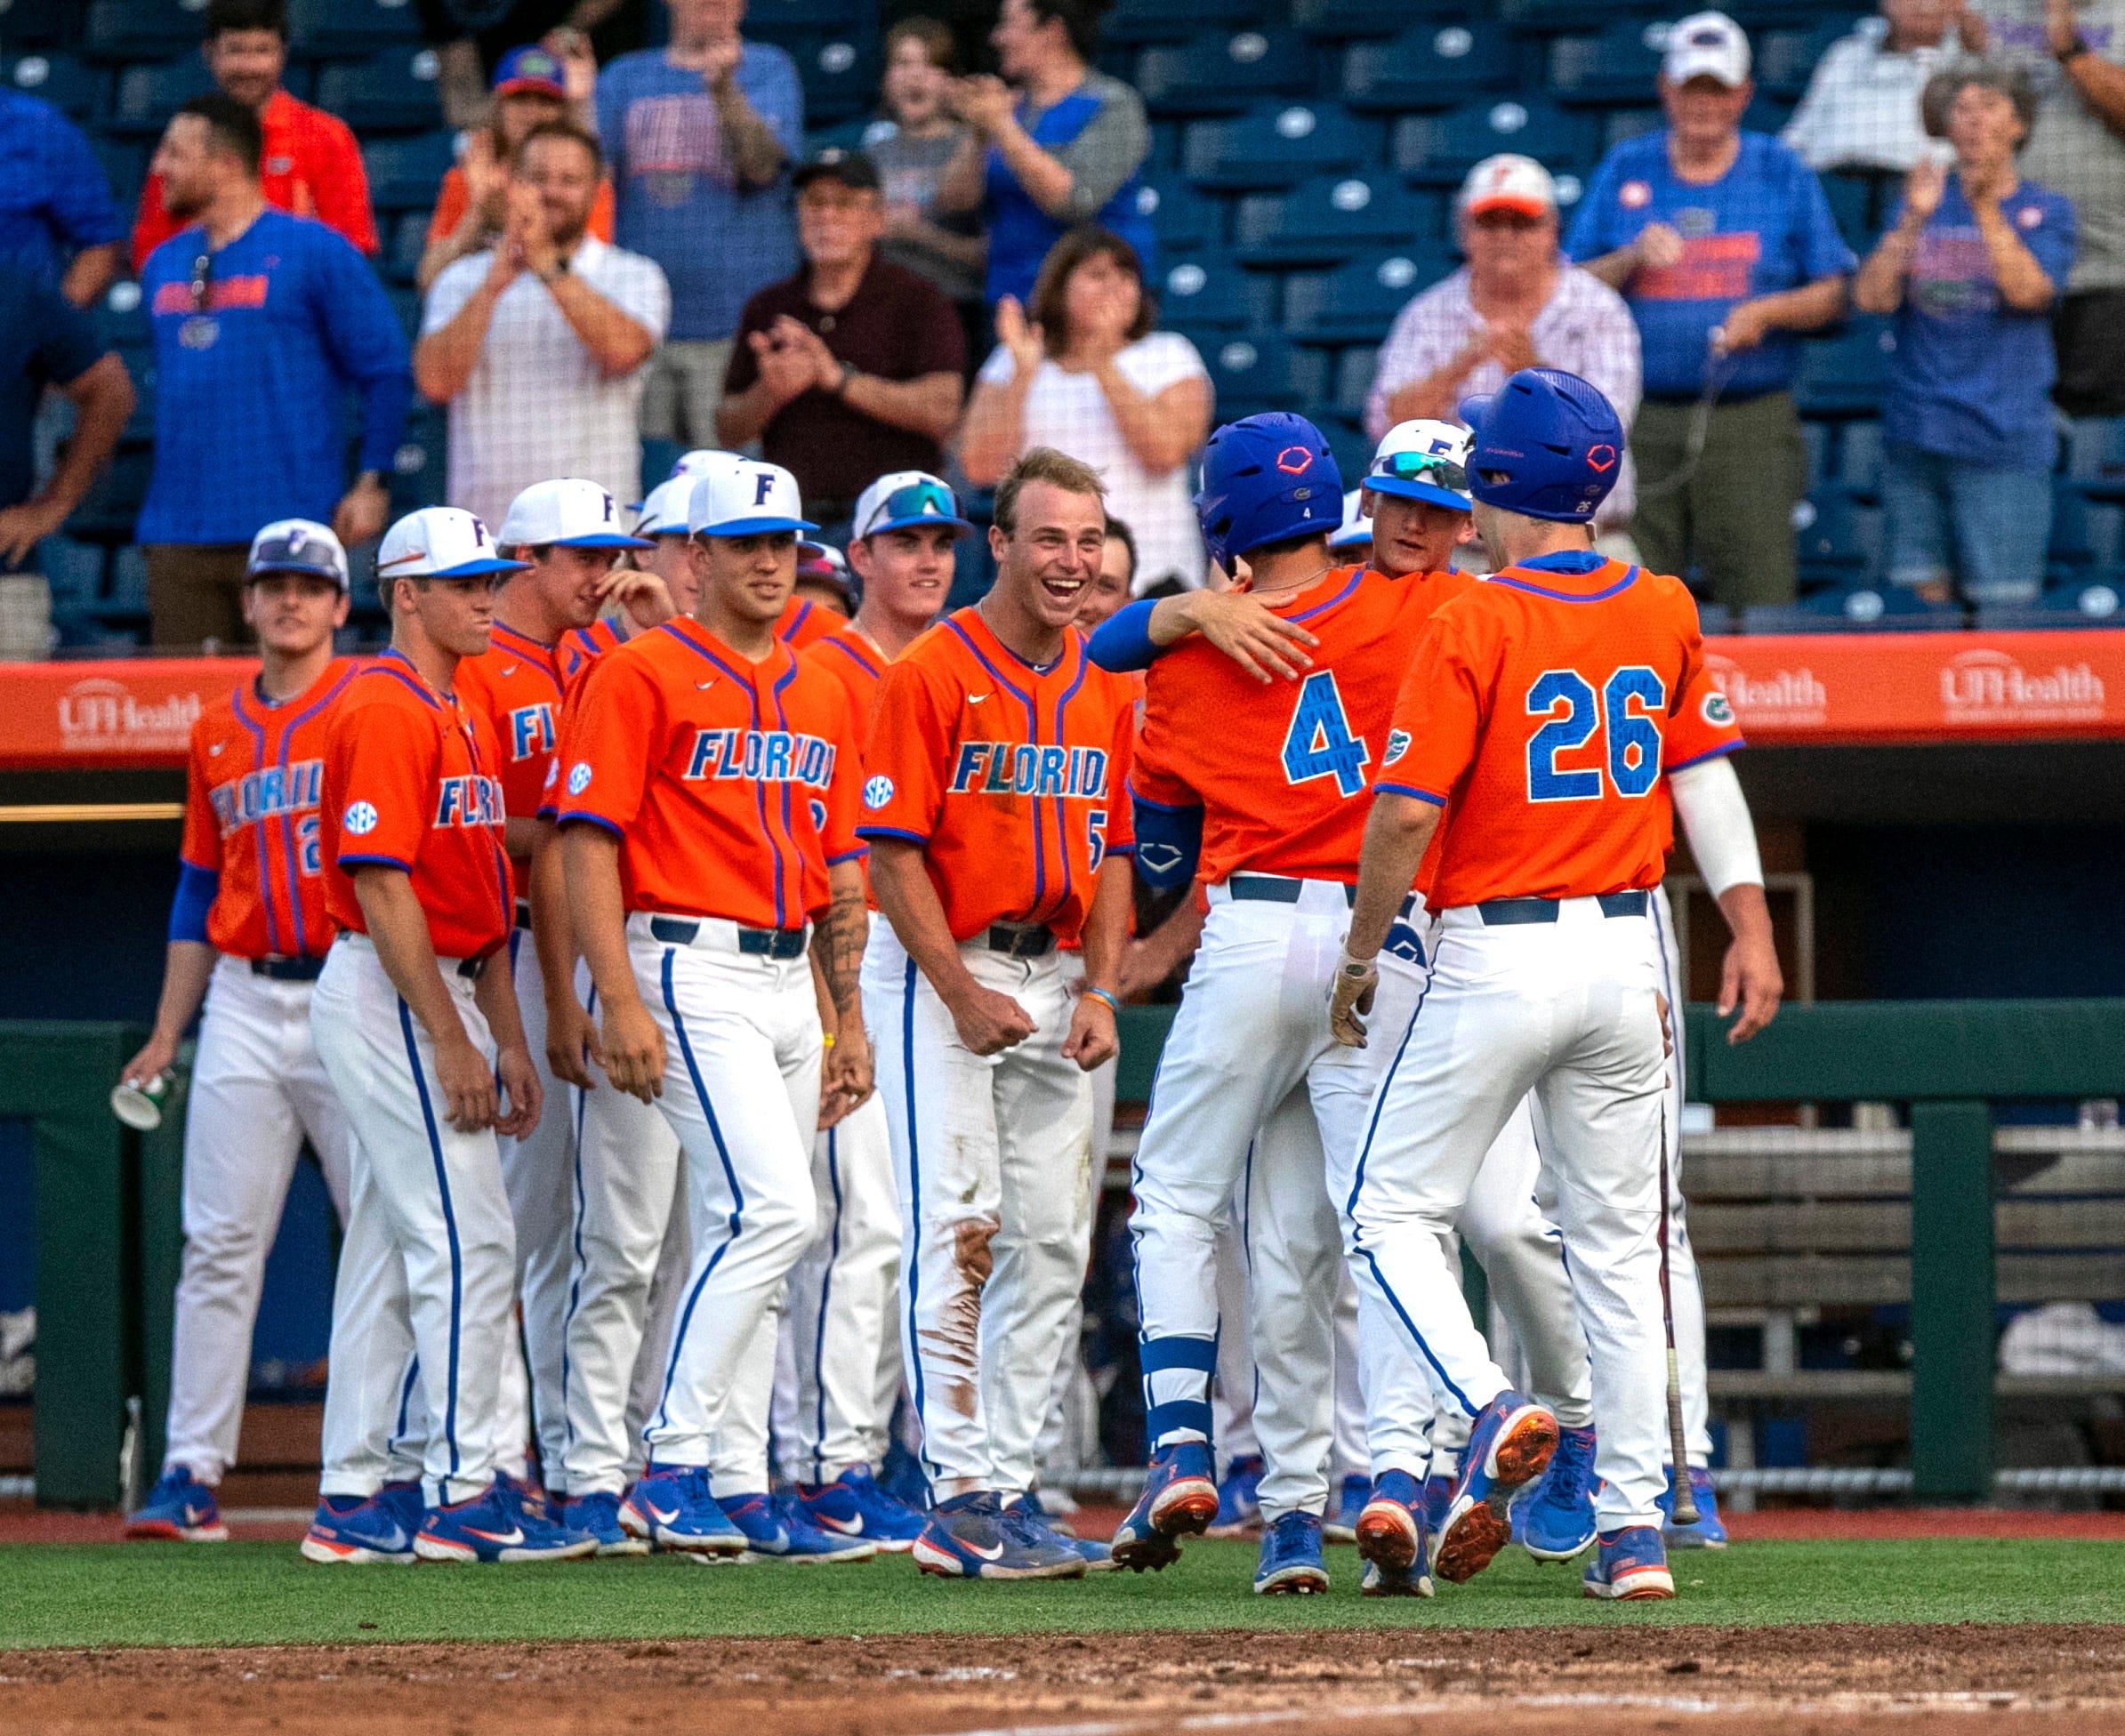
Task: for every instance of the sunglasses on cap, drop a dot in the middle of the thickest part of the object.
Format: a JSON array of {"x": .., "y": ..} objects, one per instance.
[
  {"x": 917, "y": 499},
  {"x": 1424, "y": 467}
]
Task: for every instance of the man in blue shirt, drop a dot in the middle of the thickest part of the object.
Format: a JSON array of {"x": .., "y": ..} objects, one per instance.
[
  {"x": 698, "y": 137},
  {"x": 264, "y": 323},
  {"x": 55, "y": 200},
  {"x": 1723, "y": 245}
]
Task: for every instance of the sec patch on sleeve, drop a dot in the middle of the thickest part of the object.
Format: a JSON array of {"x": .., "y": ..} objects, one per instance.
[
  {"x": 877, "y": 792},
  {"x": 360, "y": 819},
  {"x": 579, "y": 777}
]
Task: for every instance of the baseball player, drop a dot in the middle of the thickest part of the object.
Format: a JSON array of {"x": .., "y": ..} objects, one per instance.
[
  {"x": 707, "y": 808},
  {"x": 247, "y": 935},
  {"x": 422, "y": 1043},
  {"x": 999, "y": 822},
  {"x": 845, "y": 1340},
  {"x": 1536, "y": 707}
]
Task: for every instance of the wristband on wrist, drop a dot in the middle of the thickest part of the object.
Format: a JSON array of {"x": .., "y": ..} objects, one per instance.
[
  {"x": 825, "y": 1040},
  {"x": 1113, "y": 1005}
]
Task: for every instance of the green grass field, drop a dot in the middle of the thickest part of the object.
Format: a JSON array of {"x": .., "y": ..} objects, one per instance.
[{"x": 259, "y": 1593}]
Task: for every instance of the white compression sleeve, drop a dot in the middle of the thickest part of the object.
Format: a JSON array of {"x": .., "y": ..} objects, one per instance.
[{"x": 1715, "y": 818}]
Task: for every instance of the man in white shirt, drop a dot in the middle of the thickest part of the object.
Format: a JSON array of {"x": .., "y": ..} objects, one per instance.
[
  {"x": 537, "y": 344},
  {"x": 1861, "y": 109},
  {"x": 1517, "y": 303}
]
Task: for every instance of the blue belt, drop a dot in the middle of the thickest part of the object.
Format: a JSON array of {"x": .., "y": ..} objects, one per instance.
[
  {"x": 1021, "y": 940},
  {"x": 287, "y": 970},
  {"x": 1508, "y": 913},
  {"x": 754, "y": 943},
  {"x": 1272, "y": 890}
]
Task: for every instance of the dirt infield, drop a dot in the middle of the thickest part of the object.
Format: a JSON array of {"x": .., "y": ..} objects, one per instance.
[{"x": 2050, "y": 1679}]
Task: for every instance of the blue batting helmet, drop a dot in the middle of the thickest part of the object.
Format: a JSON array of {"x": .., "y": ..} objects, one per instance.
[
  {"x": 1266, "y": 478},
  {"x": 1548, "y": 445}
]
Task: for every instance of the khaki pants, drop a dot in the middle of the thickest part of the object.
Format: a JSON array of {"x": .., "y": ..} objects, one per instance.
[
  {"x": 196, "y": 591},
  {"x": 1733, "y": 517},
  {"x": 682, "y": 389}
]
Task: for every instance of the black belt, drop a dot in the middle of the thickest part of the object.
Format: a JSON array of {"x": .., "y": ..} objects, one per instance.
[
  {"x": 1508, "y": 912},
  {"x": 1272, "y": 890},
  {"x": 287, "y": 970},
  {"x": 1021, "y": 940},
  {"x": 524, "y": 914},
  {"x": 755, "y": 943}
]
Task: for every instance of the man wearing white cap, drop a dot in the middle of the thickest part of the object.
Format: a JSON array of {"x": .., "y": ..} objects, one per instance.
[
  {"x": 1517, "y": 303},
  {"x": 420, "y": 1035},
  {"x": 1723, "y": 245}
]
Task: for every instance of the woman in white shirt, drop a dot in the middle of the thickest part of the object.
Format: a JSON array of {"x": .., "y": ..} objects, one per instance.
[{"x": 1087, "y": 375}]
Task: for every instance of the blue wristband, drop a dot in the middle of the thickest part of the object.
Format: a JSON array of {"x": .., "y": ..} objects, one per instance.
[{"x": 1113, "y": 1005}]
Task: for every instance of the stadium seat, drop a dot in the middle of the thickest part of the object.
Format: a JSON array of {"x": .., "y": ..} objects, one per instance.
[
  {"x": 1333, "y": 218},
  {"x": 1859, "y": 458},
  {"x": 1864, "y": 609},
  {"x": 107, "y": 512},
  {"x": 1845, "y": 375},
  {"x": 1224, "y": 74},
  {"x": 1342, "y": 21},
  {"x": 1615, "y": 68},
  {"x": 1437, "y": 151},
  {"x": 406, "y": 242},
  {"x": 1205, "y": 294},
  {"x": 125, "y": 167},
  {"x": 149, "y": 94},
  {"x": 391, "y": 91},
  {"x": 405, "y": 302},
  {"x": 1137, "y": 22},
  {"x": 1758, "y": 16},
  {"x": 140, "y": 367},
  {"x": 1358, "y": 303},
  {"x": 420, "y": 466},
  {"x": 121, "y": 321},
  {"x": 1255, "y": 373},
  {"x": 1834, "y": 535},
  {"x": 785, "y": 21},
  {"x": 124, "y": 603},
  {"x": 67, "y": 82},
  {"x": 405, "y": 174},
  {"x": 1816, "y": 440},
  {"x": 1543, "y": 17},
  {"x": 1352, "y": 447},
  {"x": 41, "y": 23},
  {"x": 1851, "y": 203},
  {"x": 1278, "y": 145},
  {"x": 75, "y": 572},
  {"x": 1618, "y": 124},
  {"x": 142, "y": 29},
  {"x": 2083, "y": 533},
  {"x": 1714, "y": 617},
  {"x": 2096, "y": 455},
  {"x": 1354, "y": 370},
  {"x": 1433, "y": 66},
  {"x": 320, "y": 28},
  {"x": 1181, "y": 218},
  {"x": 840, "y": 75},
  {"x": 1784, "y": 59}
]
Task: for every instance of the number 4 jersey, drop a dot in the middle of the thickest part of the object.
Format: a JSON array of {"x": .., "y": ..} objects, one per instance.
[{"x": 1541, "y": 710}]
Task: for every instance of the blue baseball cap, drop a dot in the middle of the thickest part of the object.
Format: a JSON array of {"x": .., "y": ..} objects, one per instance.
[
  {"x": 904, "y": 499},
  {"x": 1547, "y": 444},
  {"x": 1266, "y": 478},
  {"x": 530, "y": 68}
]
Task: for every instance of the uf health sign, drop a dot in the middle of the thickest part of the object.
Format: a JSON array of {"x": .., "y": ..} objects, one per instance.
[{"x": 137, "y": 712}]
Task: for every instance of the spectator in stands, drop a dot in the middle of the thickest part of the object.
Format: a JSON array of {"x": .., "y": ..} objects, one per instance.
[
  {"x": 1862, "y": 107},
  {"x": 472, "y": 37},
  {"x": 312, "y": 166},
  {"x": 57, "y": 216},
  {"x": 1517, "y": 303},
  {"x": 538, "y": 344},
  {"x": 263, "y": 323},
  {"x": 2075, "y": 61},
  {"x": 1087, "y": 375},
  {"x": 1971, "y": 270},
  {"x": 701, "y": 135},
  {"x": 854, "y": 367},
  {"x": 1064, "y": 151},
  {"x": 46, "y": 340},
  {"x": 913, "y": 146},
  {"x": 471, "y": 209},
  {"x": 1109, "y": 587},
  {"x": 1723, "y": 245}
]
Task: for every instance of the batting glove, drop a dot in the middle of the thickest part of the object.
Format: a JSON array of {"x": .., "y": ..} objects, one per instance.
[{"x": 1350, "y": 994}]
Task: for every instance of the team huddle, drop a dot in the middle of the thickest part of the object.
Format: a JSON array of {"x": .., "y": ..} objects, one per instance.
[{"x": 725, "y": 987}]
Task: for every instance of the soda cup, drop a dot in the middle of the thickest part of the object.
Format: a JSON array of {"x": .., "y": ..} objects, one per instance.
[{"x": 140, "y": 1105}]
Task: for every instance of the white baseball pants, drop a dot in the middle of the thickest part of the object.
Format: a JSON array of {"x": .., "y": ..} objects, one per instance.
[
  {"x": 1685, "y": 1288},
  {"x": 429, "y": 1263},
  {"x": 257, "y": 1090},
  {"x": 741, "y": 1092},
  {"x": 992, "y": 1156},
  {"x": 538, "y": 1171},
  {"x": 1566, "y": 1010}
]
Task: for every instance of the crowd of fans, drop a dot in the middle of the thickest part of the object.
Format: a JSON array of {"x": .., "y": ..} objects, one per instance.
[{"x": 642, "y": 249}]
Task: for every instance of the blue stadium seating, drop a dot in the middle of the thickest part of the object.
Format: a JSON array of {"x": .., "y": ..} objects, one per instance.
[
  {"x": 1278, "y": 145},
  {"x": 1255, "y": 372},
  {"x": 125, "y": 166},
  {"x": 405, "y": 302},
  {"x": 148, "y": 93},
  {"x": 66, "y": 81},
  {"x": 405, "y": 174},
  {"x": 1614, "y": 69},
  {"x": 1355, "y": 303},
  {"x": 1205, "y": 294},
  {"x": 418, "y": 468},
  {"x": 840, "y": 75},
  {"x": 1338, "y": 21},
  {"x": 142, "y": 29},
  {"x": 1437, "y": 151},
  {"x": 785, "y": 21},
  {"x": 1331, "y": 219},
  {"x": 124, "y": 603},
  {"x": 1816, "y": 437},
  {"x": 120, "y": 320},
  {"x": 2092, "y": 597},
  {"x": 1432, "y": 65},
  {"x": 140, "y": 363},
  {"x": 1133, "y": 22},
  {"x": 319, "y": 28},
  {"x": 1784, "y": 60},
  {"x": 1181, "y": 218},
  {"x": 107, "y": 512},
  {"x": 41, "y": 23},
  {"x": 1859, "y": 458},
  {"x": 1851, "y": 204},
  {"x": 1224, "y": 74},
  {"x": 1867, "y": 609},
  {"x": 1845, "y": 375},
  {"x": 1834, "y": 535},
  {"x": 75, "y": 572},
  {"x": 391, "y": 91},
  {"x": 1352, "y": 447},
  {"x": 2096, "y": 456},
  {"x": 1354, "y": 370},
  {"x": 405, "y": 242},
  {"x": 2083, "y": 534}
]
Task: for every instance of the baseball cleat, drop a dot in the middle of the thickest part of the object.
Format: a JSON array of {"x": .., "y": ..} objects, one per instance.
[
  {"x": 349, "y": 1530},
  {"x": 1438, "y": 1495},
  {"x": 1338, "y": 1524},
  {"x": 1239, "y": 1512},
  {"x": 1554, "y": 1520},
  {"x": 598, "y": 1515},
  {"x": 1291, "y": 1557},
  {"x": 774, "y": 1531},
  {"x": 178, "y": 1509},
  {"x": 971, "y": 1537},
  {"x": 670, "y": 1505},
  {"x": 1632, "y": 1567},
  {"x": 853, "y": 1505},
  {"x": 1390, "y": 1531},
  {"x": 1179, "y": 1500},
  {"x": 1032, "y": 1522},
  {"x": 1710, "y": 1533},
  {"x": 1509, "y": 1446},
  {"x": 496, "y": 1526}
]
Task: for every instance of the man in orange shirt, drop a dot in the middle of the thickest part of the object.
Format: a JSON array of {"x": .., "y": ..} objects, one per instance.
[
  {"x": 311, "y": 166},
  {"x": 999, "y": 821}
]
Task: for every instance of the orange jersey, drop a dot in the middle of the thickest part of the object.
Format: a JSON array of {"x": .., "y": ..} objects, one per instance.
[
  {"x": 1536, "y": 712},
  {"x": 454, "y": 196},
  {"x": 412, "y": 781},
  {"x": 251, "y": 816},
  {"x": 515, "y": 684},
  {"x": 803, "y": 623},
  {"x": 1013, "y": 780},
  {"x": 731, "y": 785},
  {"x": 857, "y": 663},
  {"x": 1280, "y": 772},
  {"x": 1703, "y": 725},
  {"x": 581, "y": 646}
]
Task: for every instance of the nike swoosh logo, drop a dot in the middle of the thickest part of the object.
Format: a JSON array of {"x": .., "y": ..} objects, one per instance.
[
  {"x": 995, "y": 1552},
  {"x": 510, "y": 671},
  {"x": 845, "y": 1527},
  {"x": 514, "y": 1535},
  {"x": 976, "y": 698},
  {"x": 660, "y": 1516},
  {"x": 703, "y": 687},
  {"x": 216, "y": 748}
]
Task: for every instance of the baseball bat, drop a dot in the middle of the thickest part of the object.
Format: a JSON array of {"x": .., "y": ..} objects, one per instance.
[{"x": 1685, "y": 1502}]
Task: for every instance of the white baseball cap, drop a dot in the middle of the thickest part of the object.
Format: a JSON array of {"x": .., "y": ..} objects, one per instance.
[
  {"x": 440, "y": 542},
  {"x": 1508, "y": 182},
  {"x": 663, "y": 513},
  {"x": 901, "y": 499},
  {"x": 568, "y": 513},
  {"x": 1707, "y": 46},
  {"x": 746, "y": 498},
  {"x": 298, "y": 545},
  {"x": 1424, "y": 461},
  {"x": 1356, "y": 527}
]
